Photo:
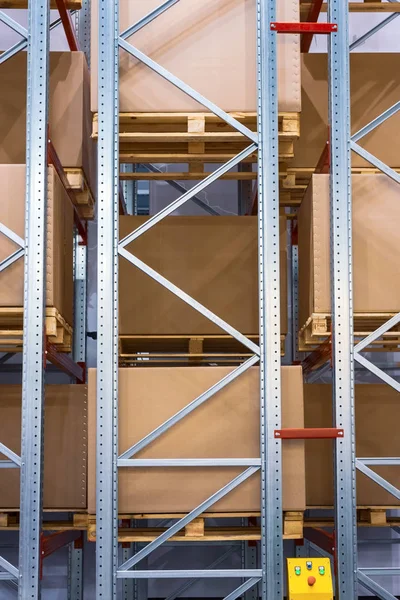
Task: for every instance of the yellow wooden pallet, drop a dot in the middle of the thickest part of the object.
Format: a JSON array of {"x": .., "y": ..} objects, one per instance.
[
  {"x": 317, "y": 330},
  {"x": 83, "y": 196},
  {"x": 194, "y": 138},
  {"x": 199, "y": 530},
  {"x": 58, "y": 331}
]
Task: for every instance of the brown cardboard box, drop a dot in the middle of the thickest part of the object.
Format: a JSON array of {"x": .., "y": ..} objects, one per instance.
[
  {"x": 69, "y": 112},
  {"x": 214, "y": 259},
  {"x": 228, "y": 425},
  {"x": 374, "y": 87},
  {"x": 208, "y": 44},
  {"x": 376, "y": 253},
  {"x": 59, "y": 247},
  {"x": 65, "y": 446},
  {"x": 377, "y": 416}
]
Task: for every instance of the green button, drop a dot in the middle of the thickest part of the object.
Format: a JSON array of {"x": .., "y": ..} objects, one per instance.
[
  {"x": 297, "y": 570},
  {"x": 321, "y": 570}
]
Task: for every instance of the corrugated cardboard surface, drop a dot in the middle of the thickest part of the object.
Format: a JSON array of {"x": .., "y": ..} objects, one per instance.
[
  {"x": 227, "y": 425},
  {"x": 376, "y": 251},
  {"x": 69, "y": 116},
  {"x": 59, "y": 248},
  {"x": 374, "y": 87},
  {"x": 65, "y": 445},
  {"x": 214, "y": 259},
  {"x": 377, "y": 418},
  {"x": 208, "y": 44}
]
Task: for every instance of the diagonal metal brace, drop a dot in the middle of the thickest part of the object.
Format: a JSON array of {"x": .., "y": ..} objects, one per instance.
[
  {"x": 211, "y": 392},
  {"x": 187, "y": 519}
]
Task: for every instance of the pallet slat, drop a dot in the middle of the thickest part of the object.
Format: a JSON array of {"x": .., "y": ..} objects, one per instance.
[
  {"x": 317, "y": 330},
  {"x": 195, "y": 137},
  {"x": 59, "y": 332}
]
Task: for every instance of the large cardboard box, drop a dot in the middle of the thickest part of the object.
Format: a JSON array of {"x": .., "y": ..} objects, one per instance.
[
  {"x": 208, "y": 44},
  {"x": 376, "y": 253},
  {"x": 377, "y": 410},
  {"x": 69, "y": 112},
  {"x": 374, "y": 87},
  {"x": 59, "y": 246},
  {"x": 213, "y": 259},
  {"x": 65, "y": 446},
  {"x": 228, "y": 425}
]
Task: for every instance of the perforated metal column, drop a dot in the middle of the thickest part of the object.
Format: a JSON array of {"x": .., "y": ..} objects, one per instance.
[
  {"x": 342, "y": 301},
  {"x": 34, "y": 299}
]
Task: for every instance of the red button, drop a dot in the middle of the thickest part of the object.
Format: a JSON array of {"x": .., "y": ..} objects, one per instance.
[{"x": 311, "y": 580}]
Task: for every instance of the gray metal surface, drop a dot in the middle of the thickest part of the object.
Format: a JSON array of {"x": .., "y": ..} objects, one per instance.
[
  {"x": 269, "y": 304},
  {"x": 34, "y": 300},
  {"x": 342, "y": 300},
  {"x": 107, "y": 296},
  {"x": 75, "y": 573},
  {"x": 243, "y": 588},
  {"x": 80, "y": 257},
  {"x": 374, "y": 587},
  {"x": 191, "y": 574}
]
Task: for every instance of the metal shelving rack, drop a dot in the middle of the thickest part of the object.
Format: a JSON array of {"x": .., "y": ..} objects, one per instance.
[
  {"x": 32, "y": 545},
  {"x": 271, "y": 571}
]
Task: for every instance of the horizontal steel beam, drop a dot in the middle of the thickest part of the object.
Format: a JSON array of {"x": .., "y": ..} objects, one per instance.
[
  {"x": 209, "y": 574},
  {"x": 189, "y": 462}
]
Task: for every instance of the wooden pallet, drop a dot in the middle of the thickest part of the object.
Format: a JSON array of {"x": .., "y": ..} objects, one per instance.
[
  {"x": 58, "y": 331},
  {"x": 194, "y": 138},
  {"x": 82, "y": 193},
  {"x": 199, "y": 530},
  {"x": 189, "y": 350},
  {"x": 70, "y": 4},
  {"x": 10, "y": 521},
  {"x": 318, "y": 328},
  {"x": 367, "y": 516},
  {"x": 366, "y": 6}
]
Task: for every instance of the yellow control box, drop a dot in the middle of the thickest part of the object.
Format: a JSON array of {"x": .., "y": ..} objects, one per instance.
[{"x": 309, "y": 578}]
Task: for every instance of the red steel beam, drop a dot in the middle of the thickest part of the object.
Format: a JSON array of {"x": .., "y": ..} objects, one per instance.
[
  {"x": 321, "y": 538},
  {"x": 311, "y": 433},
  {"x": 311, "y": 28},
  {"x": 52, "y": 158},
  {"x": 53, "y": 542},
  {"x": 312, "y": 17},
  {"x": 65, "y": 362},
  {"x": 69, "y": 28}
]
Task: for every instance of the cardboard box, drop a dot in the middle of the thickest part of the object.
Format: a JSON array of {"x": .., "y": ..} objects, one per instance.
[
  {"x": 376, "y": 253},
  {"x": 377, "y": 411},
  {"x": 208, "y": 44},
  {"x": 59, "y": 247},
  {"x": 65, "y": 446},
  {"x": 228, "y": 425},
  {"x": 213, "y": 259},
  {"x": 69, "y": 112},
  {"x": 374, "y": 87}
]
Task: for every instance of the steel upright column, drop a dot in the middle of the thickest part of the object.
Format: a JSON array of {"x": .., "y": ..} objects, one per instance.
[
  {"x": 342, "y": 302},
  {"x": 107, "y": 297},
  {"x": 34, "y": 299},
  {"x": 269, "y": 292}
]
